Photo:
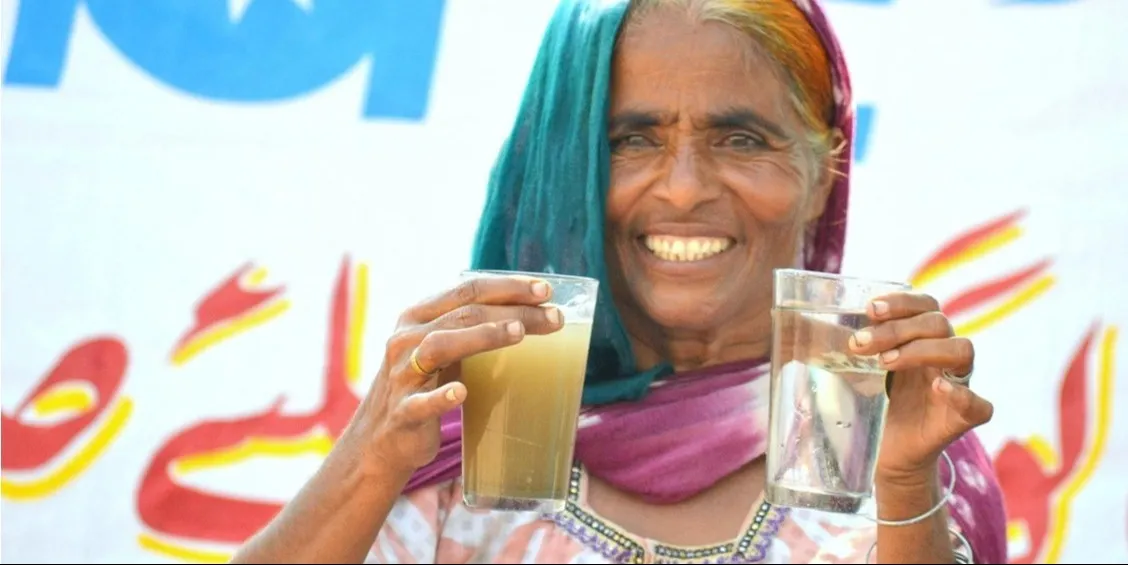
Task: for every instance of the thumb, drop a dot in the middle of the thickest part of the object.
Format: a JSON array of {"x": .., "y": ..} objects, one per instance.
[
  {"x": 425, "y": 406},
  {"x": 966, "y": 410}
]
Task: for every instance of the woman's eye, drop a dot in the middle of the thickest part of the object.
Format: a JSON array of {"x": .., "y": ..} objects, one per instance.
[
  {"x": 632, "y": 141},
  {"x": 743, "y": 141}
]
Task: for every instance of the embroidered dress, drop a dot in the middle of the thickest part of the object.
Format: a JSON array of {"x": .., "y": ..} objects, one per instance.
[{"x": 431, "y": 525}]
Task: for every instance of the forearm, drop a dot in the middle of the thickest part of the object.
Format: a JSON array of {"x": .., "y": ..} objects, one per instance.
[
  {"x": 927, "y": 541},
  {"x": 335, "y": 518}
]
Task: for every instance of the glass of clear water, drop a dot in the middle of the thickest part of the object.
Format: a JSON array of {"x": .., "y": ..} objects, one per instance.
[{"x": 828, "y": 405}]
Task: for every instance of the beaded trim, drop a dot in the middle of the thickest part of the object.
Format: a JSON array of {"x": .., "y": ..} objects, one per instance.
[{"x": 614, "y": 545}]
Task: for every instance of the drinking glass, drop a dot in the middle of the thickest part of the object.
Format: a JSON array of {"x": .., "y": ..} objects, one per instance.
[
  {"x": 828, "y": 404},
  {"x": 522, "y": 406}
]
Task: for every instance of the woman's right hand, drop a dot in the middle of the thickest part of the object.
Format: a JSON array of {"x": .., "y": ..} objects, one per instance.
[
  {"x": 395, "y": 431},
  {"x": 396, "y": 427}
]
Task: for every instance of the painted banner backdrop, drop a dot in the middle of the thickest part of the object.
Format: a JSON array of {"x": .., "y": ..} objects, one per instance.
[{"x": 215, "y": 209}]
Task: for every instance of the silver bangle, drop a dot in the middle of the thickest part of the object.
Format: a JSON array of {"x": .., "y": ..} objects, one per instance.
[
  {"x": 928, "y": 514},
  {"x": 943, "y": 500},
  {"x": 970, "y": 558},
  {"x": 956, "y": 557}
]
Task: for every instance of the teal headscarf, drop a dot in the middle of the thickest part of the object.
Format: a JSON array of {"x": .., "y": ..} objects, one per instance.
[{"x": 544, "y": 208}]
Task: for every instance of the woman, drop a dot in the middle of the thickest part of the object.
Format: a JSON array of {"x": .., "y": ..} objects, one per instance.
[{"x": 679, "y": 151}]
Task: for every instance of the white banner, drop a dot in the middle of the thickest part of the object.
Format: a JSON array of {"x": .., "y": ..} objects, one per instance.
[{"x": 214, "y": 210}]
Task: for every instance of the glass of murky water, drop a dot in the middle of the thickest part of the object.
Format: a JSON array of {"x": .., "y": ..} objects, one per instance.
[
  {"x": 828, "y": 405},
  {"x": 522, "y": 406}
]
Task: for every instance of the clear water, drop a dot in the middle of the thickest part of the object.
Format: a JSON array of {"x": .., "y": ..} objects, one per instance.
[{"x": 828, "y": 411}]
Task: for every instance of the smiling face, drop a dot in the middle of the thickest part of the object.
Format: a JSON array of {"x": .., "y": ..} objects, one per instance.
[{"x": 712, "y": 185}]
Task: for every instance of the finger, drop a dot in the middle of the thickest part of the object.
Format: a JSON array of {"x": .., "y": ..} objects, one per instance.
[
  {"x": 901, "y": 305},
  {"x": 896, "y": 333},
  {"x": 969, "y": 409},
  {"x": 426, "y": 406},
  {"x": 955, "y": 354},
  {"x": 485, "y": 290},
  {"x": 440, "y": 349},
  {"x": 535, "y": 319}
]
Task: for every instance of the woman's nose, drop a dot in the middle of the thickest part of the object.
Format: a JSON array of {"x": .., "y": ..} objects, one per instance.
[{"x": 686, "y": 185}]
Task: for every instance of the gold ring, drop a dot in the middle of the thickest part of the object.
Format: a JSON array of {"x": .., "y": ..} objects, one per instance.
[{"x": 419, "y": 368}]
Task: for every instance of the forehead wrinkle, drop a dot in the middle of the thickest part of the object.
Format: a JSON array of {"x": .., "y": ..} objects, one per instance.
[{"x": 766, "y": 89}]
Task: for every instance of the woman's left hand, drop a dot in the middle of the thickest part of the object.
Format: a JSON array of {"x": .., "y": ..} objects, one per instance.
[{"x": 927, "y": 412}]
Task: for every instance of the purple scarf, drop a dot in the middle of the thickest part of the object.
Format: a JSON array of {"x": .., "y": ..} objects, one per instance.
[
  {"x": 706, "y": 424},
  {"x": 696, "y": 428}
]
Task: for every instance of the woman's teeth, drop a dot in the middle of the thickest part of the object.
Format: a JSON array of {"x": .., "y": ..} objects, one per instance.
[{"x": 669, "y": 248}]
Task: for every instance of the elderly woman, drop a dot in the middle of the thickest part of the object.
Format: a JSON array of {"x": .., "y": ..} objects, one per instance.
[{"x": 679, "y": 151}]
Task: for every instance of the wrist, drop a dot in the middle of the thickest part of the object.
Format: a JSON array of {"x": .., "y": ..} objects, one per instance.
[
  {"x": 905, "y": 496},
  {"x": 924, "y": 489},
  {"x": 908, "y": 478},
  {"x": 920, "y": 484},
  {"x": 362, "y": 470}
]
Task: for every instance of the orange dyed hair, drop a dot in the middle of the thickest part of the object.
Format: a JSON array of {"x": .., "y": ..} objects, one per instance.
[{"x": 787, "y": 35}]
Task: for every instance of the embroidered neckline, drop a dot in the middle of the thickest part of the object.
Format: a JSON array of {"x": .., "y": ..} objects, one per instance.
[{"x": 615, "y": 544}]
